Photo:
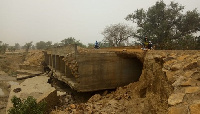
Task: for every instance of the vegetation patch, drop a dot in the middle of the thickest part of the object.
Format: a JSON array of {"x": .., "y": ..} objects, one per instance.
[{"x": 27, "y": 106}]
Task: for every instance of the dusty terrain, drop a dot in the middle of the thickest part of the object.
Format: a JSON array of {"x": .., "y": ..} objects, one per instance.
[
  {"x": 9, "y": 64},
  {"x": 170, "y": 83}
]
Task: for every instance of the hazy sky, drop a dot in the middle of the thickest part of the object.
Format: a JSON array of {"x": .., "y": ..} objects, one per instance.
[{"x": 23, "y": 21}]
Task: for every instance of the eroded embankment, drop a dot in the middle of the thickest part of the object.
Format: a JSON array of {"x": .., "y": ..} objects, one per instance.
[{"x": 170, "y": 83}]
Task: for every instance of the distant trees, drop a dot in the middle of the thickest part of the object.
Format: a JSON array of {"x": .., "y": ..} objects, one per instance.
[
  {"x": 117, "y": 34},
  {"x": 43, "y": 45},
  {"x": 27, "y": 46},
  {"x": 3, "y": 47},
  {"x": 17, "y": 46},
  {"x": 71, "y": 40},
  {"x": 167, "y": 26},
  {"x": 64, "y": 42}
]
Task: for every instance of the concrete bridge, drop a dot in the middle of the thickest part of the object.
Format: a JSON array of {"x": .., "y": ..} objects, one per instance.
[{"x": 90, "y": 70}]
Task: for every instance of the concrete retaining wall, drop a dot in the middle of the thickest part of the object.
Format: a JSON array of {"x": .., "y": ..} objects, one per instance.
[
  {"x": 106, "y": 71},
  {"x": 93, "y": 71}
]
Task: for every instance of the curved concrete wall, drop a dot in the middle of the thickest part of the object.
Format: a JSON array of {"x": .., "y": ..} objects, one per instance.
[{"x": 106, "y": 71}]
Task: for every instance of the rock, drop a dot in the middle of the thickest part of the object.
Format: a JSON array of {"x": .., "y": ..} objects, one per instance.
[
  {"x": 16, "y": 90},
  {"x": 188, "y": 74},
  {"x": 171, "y": 62},
  {"x": 95, "y": 98},
  {"x": 196, "y": 102},
  {"x": 190, "y": 66},
  {"x": 181, "y": 58},
  {"x": 179, "y": 81},
  {"x": 196, "y": 75},
  {"x": 176, "y": 67},
  {"x": 178, "y": 110},
  {"x": 60, "y": 93},
  {"x": 1, "y": 92},
  {"x": 190, "y": 82},
  {"x": 72, "y": 106},
  {"x": 168, "y": 59},
  {"x": 195, "y": 109},
  {"x": 2, "y": 73},
  {"x": 113, "y": 103},
  {"x": 198, "y": 63},
  {"x": 169, "y": 75},
  {"x": 191, "y": 89},
  {"x": 105, "y": 93},
  {"x": 175, "y": 98}
]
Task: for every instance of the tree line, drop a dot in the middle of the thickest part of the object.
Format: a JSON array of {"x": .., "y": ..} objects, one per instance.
[
  {"x": 165, "y": 25},
  {"x": 39, "y": 45}
]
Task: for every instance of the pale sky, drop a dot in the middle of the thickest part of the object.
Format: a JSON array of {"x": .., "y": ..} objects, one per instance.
[{"x": 22, "y": 21}]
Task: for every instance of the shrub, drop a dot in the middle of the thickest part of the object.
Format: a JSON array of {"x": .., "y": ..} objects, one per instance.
[{"x": 26, "y": 106}]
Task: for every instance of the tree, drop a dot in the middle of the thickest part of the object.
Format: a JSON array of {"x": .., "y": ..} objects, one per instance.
[
  {"x": 49, "y": 44},
  {"x": 68, "y": 41},
  {"x": 3, "y": 47},
  {"x": 41, "y": 45},
  {"x": 71, "y": 40},
  {"x": 117, "y": 34},
  {"x": 27, "y": 46},
  {"x": 17, "y": 46},
  {"x": 166, "y": 24}
]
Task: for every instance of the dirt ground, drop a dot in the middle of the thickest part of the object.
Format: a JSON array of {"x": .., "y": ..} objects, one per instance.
[{"x": 165, "y": 74}]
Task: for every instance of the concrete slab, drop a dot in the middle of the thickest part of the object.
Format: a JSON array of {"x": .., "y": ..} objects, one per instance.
[
  {"x": 24, "y": 74},
  {"x": 36, "y": 87},
  {"x": 29, "y": 72}
]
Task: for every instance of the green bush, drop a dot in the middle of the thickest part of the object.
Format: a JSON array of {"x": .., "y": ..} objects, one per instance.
[{"x": 26, "y": 106}]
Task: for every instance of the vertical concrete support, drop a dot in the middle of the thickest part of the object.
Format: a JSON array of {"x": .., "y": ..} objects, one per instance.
[
  {"x": 65, "y": 70},
  {"x": 51, "y": 57},
  {"x": 57, "y": 63},
  {"x": 62, "y": 65},
  {"x": 53, "y": 61},
  {"x": 46, "y": 58},
  {"x": 49, "y": 63}
]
